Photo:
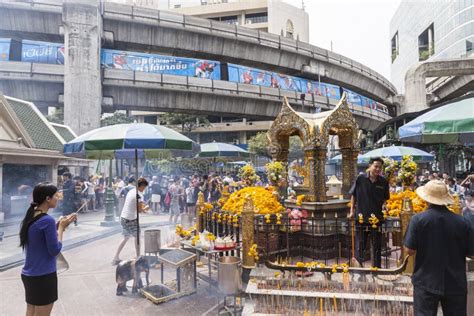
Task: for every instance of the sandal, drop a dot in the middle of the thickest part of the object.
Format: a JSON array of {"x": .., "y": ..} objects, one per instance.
[{"x": 115, "y": 262}]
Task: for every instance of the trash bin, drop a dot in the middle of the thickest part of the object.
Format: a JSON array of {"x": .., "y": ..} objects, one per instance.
[
  {"x": 229, "y": 275},
  {"x": 152, "y": 241}
]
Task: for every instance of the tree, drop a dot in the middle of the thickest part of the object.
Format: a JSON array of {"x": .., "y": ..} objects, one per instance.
[
  {"x": 259, "y": 145},
  {"x": 188, "y": 122},
  {"x": 116, "y": 118},
  {"x": 296, "y": 148},
  {"x": 57, "y": 116}
]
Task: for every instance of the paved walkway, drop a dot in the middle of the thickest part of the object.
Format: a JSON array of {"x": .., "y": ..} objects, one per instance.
[
  {"x": 88, "y": 229},
  {"x": 88, "y": 287}
]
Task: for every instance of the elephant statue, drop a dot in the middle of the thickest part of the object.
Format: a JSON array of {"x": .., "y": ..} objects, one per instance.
[{"x": 131, "y": 270}]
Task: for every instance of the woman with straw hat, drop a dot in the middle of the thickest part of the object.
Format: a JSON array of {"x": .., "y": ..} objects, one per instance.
[{"x": 441, "y": 240}]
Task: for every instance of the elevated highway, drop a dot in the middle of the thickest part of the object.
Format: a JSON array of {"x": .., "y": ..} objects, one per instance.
[
  {"x": 122, "y": 89},
  {"x": 132, "y": 28}
]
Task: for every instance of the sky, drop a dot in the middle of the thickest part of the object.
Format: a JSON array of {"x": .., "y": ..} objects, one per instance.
[{"x": 358, "y": 29}]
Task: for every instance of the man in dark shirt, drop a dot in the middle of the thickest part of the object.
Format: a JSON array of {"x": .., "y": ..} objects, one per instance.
[
  {"x": 441, "y": 240},
  {"x": 369, "y": 193}
]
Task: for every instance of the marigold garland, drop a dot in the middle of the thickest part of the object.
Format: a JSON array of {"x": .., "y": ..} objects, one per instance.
[{"x": 263, "y": 200}]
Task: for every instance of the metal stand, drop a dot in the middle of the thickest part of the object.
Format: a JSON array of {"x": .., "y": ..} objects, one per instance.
[{"x": 235, "y": 308}]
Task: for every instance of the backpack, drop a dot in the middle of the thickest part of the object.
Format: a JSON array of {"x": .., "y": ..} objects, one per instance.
[{"x": 168, "y": 198}]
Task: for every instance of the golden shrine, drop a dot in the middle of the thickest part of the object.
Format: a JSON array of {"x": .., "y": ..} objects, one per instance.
[{"x": 314, "y": 130}]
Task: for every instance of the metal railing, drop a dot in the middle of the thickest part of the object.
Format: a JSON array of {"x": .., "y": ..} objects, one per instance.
[
  {"x": 151, "y": 17},
  {"x": 325, "y": 240}
]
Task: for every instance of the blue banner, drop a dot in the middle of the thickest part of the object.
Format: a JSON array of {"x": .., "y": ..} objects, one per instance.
[
  {"x": 161, "y": 64},
  {"x": 353, "y": 98},
  {"x": 323, "y": 89},
  {"x": 42, "y": 52},
  {"x": 259, "y": 77},
  {"x": 5, "y": 49}
]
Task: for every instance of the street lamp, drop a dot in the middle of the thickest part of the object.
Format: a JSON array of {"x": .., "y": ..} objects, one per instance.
[{"x": 109, "y": 219}]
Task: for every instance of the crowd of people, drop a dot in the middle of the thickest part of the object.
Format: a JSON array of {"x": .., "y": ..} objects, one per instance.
[{"x": 176, "y": 195}]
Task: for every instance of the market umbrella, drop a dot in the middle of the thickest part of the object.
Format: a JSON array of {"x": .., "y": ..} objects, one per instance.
[
  {"x": 127, "y": 141},
  {"x": 338, "y": 159},
  {"x": 450, "y": 124},
  {"x": 215, "y": 149},
  {"x": 397, "y": 152}
]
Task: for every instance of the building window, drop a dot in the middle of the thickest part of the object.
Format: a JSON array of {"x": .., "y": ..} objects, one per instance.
[
  {"x": 177, "y": 6},
  {"x": 150, "y": 119},
  {"x": 290, "y": 30},
  {"x": 426, "y": 47},
  {"x": 394, "y": 46},
  {"x": 468, "y": 48},
  {"x": 256, "y": 18},
  {"x": 232, "y": 19}
]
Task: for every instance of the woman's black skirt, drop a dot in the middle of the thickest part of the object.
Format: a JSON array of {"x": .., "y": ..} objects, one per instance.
[{"x": 41, "y": 290}]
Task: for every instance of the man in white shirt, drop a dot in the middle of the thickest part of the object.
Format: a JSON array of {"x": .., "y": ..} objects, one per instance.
[{"x": 128, "y": 218}]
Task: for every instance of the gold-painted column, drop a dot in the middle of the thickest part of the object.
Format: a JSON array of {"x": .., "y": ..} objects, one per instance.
[
  {"x": 247, "y": 233},
  {"x": 320, "y": 156},
  {"x": 349, "y": 169},
  {"x": 307, "y": 171},
  {"x": 281, "y": 154},
  {"x": 405, "y": 217},
  {"x": 309, "y": 157},
  {"x": 200, "y": 210}
]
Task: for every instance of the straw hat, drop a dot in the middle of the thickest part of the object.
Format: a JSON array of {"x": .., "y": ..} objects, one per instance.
[{"x": 435, "y": 192}]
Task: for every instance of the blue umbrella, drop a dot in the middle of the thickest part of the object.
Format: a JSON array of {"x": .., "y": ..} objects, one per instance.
[
  {"x": 215, "y": 149},
  {"x": 338, "y": 159},
  {"x": 397, "y": 152}
]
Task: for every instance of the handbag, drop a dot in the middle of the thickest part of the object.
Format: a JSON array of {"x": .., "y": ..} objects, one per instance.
[{"x": 61, "y": 263}]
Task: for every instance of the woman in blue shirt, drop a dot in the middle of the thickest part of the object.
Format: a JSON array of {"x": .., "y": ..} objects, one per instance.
[{"x": 42, "y": 242}]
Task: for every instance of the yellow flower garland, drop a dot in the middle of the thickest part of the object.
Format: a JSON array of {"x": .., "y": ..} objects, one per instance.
[{"x": 263, "y": 200}]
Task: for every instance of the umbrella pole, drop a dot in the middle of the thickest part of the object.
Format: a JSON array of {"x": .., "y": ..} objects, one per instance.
[{"x": 136, "y": 189}]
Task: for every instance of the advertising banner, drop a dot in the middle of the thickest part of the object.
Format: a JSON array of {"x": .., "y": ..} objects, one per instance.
[
  {"x": 353, "y": 98},
  {"x": 42, "y": 52},
  {"x": 5, "y": 49},
  {"x": 161, "y": 64},
  {"x": 259, "y": 77}
]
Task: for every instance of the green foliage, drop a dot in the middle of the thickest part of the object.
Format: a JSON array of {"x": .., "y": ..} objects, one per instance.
[
  {"x": 424, "y": 55},
  {"x": 259, "y": 145},
  {"x": 296, "y": 147},
  {"x": 165, "y": 166},
  {"x": 116, "y": 118},
  {"x": 57, "y": 116},
  {"x": 188, "y": 122}
]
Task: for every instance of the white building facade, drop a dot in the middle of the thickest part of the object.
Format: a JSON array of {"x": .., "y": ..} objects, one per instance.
[
  {"x": 429, "y": 30},
  {"x": 273, "y": 16}
]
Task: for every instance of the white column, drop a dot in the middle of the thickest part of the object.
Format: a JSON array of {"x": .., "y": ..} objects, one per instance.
[{"x": 1, "y": 193}]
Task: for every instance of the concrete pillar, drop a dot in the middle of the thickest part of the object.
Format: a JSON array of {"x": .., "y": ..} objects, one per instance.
[
  {"x": 54, "y": 172},
  {"x": 1, "y": 187},
  {"x": 243, "y": 137},
  {"x": 82, "y": 84},
  {"x": 430, "y": 41}
]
